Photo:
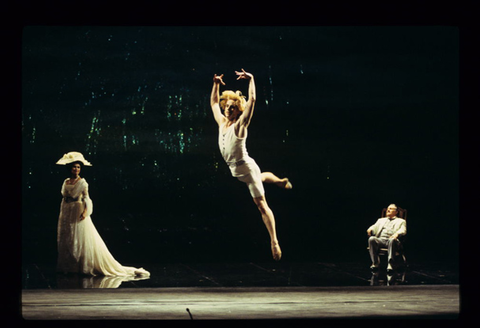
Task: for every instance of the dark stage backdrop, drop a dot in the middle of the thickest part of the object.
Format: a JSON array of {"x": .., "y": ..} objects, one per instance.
[{"x": 356, "y": 117}]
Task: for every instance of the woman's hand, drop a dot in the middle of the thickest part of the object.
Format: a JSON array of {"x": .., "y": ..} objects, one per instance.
[
  {"x": 243, "y": 75},
  {"x": 218, "y": 79},
  {"x": 82, "y": 216}
]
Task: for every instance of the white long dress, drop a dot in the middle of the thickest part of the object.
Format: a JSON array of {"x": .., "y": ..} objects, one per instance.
[{"x": 80, "y": 247}]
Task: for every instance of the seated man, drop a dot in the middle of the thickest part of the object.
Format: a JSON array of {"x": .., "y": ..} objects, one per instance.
[{"x": 384, "y": 233}]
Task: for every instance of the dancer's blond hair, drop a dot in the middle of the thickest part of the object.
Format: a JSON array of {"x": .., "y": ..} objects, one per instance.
[{"x": 237, "y": 97}]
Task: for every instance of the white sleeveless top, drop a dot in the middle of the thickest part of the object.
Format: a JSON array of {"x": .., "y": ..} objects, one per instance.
[{"x": 233, "y": 149}]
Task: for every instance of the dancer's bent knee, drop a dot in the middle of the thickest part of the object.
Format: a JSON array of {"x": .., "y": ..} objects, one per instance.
[{"x": 261, "y": 203}]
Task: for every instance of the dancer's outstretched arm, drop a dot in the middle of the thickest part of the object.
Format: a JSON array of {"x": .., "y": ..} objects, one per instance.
[
  {"x": 246, "y": 117},
  {"x": 215, "y": 99}
]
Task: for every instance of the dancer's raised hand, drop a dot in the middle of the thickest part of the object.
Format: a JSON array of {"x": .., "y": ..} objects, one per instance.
[
  {"x": 243, "y": 75},
  {"x": 218, "y": 79}
]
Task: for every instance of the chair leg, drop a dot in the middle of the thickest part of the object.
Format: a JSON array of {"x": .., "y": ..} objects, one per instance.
[{"x": 404, "y": 274}]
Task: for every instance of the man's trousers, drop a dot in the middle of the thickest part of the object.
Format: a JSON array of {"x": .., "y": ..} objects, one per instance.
[{"x": 376, "y": 243}]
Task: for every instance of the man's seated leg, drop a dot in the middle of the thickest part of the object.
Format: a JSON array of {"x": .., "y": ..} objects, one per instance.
[
  {"x": 393, "y": 245},
  {"x": 374, "y": 245}
]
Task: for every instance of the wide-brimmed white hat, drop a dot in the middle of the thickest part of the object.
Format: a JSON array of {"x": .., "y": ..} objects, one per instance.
[{"x": 73, "y": 156}]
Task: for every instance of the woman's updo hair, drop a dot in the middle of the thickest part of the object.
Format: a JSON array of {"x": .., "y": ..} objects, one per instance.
[
  {"x": 237, "y": 97},
  {"x": 70, "y": 165}
]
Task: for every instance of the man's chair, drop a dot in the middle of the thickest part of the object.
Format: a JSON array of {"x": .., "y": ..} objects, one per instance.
[{"x": 401, "y": 213}]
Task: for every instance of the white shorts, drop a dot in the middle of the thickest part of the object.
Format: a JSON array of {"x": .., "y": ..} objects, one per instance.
[{"x": 253, "y": 178}]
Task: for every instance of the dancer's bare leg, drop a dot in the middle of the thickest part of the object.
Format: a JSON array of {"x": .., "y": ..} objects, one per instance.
[
  {"x": 269, "y": 177},
  {"x": 269, "y": 220}
]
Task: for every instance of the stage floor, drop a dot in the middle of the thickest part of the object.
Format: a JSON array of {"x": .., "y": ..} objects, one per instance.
[
  {"x": 274, "y": 290},
  {"x": 208, "y": 303}
]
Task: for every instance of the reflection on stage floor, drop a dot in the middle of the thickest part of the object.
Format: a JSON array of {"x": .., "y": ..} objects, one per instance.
[{"x": 249, "y": 274}]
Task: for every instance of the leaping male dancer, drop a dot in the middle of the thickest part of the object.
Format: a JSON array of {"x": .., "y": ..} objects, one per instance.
[{"x": 232, "y": 137}]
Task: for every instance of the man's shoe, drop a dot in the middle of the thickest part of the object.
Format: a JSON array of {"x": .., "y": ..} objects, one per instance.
[{"x": 374, "y": 268}]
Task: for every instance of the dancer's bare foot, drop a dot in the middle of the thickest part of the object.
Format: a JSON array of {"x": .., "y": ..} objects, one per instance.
[
  {"x": 285, "y": 184},
  {"x": 276, "y": 252},
  {"x": 288, "y": 184}
]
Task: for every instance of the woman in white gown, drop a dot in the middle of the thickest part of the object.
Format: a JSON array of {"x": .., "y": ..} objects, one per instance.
[{"x": 80, "y": 247}]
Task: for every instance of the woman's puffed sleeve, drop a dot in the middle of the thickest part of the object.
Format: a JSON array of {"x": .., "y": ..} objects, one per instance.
[
  {"x": 62, "y": 191},
  {"x": 88, "y": 201}
]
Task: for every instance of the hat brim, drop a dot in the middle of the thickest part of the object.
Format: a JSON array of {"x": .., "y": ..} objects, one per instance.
[
  {"x": 63, "y": 162},
  {"x": 73, "y": 157}
]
